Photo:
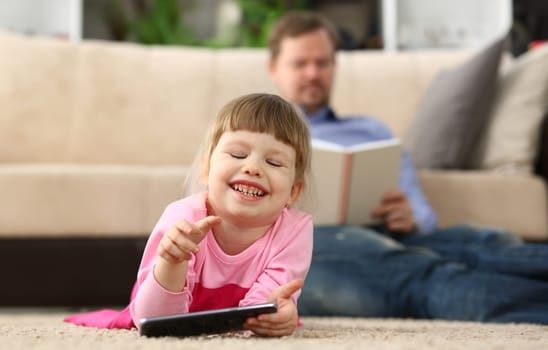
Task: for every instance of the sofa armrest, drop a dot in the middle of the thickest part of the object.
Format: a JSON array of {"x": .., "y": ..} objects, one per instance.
[{"x": 515, "y": 203}]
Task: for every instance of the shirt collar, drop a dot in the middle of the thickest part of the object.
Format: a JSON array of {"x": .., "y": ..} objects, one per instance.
[{"x": 320, "y": 116}]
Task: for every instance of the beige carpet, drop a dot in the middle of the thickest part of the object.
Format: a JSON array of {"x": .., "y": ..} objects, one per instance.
[{"x": 45, "y": 330}]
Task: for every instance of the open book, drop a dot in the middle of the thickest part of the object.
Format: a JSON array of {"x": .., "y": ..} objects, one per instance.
[{"x": 348, "y": 182}]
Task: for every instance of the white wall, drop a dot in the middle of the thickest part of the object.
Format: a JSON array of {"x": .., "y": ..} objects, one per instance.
[
  {"x": 60, "y": 18},
  {"x": 412, "y": 24}
]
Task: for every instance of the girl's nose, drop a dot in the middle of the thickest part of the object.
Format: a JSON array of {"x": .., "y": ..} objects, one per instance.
[{"x": 251, "y": 168}]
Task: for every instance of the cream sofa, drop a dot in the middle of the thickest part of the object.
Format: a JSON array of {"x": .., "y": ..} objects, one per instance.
[{"x": 96, "y": 138}]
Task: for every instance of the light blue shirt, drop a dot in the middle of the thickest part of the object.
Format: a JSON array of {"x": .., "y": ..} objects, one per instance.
[{"x": 325, "y": 125}]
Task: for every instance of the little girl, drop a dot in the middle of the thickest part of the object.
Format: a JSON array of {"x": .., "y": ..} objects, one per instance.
[{"x": 240, "y": 242}]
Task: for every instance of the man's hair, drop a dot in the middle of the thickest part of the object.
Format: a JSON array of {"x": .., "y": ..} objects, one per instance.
[
  {"x": 295, "y": 23},
  {"x": 264, "y": 113}
]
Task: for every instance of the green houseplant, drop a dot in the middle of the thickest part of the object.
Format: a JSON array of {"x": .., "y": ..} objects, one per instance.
[{"x": 161, "y": 22}]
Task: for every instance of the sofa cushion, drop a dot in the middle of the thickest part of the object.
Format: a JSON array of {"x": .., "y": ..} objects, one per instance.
[
  {"x": 512, "y": 136},
  {"x": 452, "y": 114},
  {"x": 141, "y": 105},
  {"x": 103, "y": 102},
  {"x": 38, "y": 94},
  {"x": 77, "y": 200},
  {"x": 388, "y": 85},
  {"x": 486, "y": 199},
  {"x": 230, "y": 83}
]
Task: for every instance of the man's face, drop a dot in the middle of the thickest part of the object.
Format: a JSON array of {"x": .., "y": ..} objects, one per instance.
[{"x": 304, "y": 68}]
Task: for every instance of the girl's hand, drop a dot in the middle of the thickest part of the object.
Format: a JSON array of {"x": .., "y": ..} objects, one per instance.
[
  {"x": 284, "y": 321},
  {"x": 180, "y": 241}
]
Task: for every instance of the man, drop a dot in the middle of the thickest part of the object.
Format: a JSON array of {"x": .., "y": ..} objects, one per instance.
[{"x": 406, "y": 267}]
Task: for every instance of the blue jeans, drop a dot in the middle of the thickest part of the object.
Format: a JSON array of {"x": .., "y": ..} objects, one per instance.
[{"x": 460, "y": 273}]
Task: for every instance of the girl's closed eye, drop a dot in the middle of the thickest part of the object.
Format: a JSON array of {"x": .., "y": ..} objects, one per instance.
[
  {"x": 275, "y": 163},
  {"x": 238, "y": 155}
]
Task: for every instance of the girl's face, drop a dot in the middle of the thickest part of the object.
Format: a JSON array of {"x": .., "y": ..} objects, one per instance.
[{"x": 251, "y": 177}]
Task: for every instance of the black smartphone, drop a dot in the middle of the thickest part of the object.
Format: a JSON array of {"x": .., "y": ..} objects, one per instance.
[{"x": 203, "y": 322}]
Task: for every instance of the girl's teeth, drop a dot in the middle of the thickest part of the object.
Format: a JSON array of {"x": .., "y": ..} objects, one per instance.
[{"x": 248, "y": 190}]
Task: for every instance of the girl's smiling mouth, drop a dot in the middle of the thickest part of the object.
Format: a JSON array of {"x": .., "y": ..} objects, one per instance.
[{"x": 248, "y": 189}]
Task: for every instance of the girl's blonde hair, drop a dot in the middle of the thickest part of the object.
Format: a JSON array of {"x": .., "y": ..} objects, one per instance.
[{"x": 264, "y": 113}]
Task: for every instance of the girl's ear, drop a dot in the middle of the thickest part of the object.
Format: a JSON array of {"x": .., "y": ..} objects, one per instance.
[
  {"x": 296, "y": 190},
  {"x": 204, "y": 171}
]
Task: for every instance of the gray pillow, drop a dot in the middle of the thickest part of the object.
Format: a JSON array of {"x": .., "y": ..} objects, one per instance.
[{"x": 453, "y": 113}]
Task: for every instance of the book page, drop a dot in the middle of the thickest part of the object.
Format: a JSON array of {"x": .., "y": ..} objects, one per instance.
[
  {"x": 327, "y": 177},
  {"x": 374, "y": 172},
  {"x": 347, "y": 183}
]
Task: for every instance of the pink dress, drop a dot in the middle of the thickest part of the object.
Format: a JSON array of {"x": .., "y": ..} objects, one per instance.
[{"x": 214, "y": 279}]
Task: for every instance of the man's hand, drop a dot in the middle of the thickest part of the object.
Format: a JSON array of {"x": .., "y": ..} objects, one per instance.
[
  {"x": 396, "y": 212},
  {"x": 284, "y": 321}
]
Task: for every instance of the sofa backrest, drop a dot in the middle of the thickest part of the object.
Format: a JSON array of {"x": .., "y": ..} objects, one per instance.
[{"x": 122, "y": 103}]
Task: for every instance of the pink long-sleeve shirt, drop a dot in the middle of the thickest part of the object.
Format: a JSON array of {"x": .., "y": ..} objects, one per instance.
[{"x": 215, "y": 279}]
